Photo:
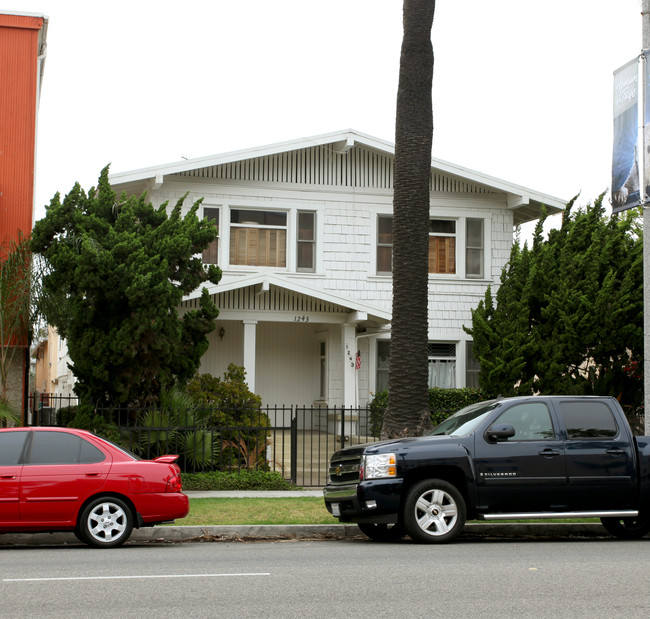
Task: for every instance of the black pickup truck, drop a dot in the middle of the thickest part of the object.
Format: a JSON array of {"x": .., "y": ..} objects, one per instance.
[{"x": 504, "y": 459}]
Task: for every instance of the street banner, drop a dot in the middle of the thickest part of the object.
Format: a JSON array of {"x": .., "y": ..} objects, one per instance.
[{"x": 625, "y": 170}]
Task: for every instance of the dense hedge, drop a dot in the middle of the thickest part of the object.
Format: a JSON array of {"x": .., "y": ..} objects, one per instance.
[
  {"x": 243, "y": 480},
  {"x": 442, "y": 403}
]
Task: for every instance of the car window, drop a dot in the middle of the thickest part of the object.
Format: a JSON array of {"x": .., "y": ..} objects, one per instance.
[
  {"x": 531, "y": 421},
  {"x": 586, "y": 419},
  {"x": 62, "y": 448},
  {"x": 11, "y": 447}
]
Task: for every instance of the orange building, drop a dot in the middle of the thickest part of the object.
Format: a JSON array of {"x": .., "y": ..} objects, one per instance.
[{"x": 22, "y": 58}]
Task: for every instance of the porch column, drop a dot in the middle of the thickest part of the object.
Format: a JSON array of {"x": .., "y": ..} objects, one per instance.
[
  {"x": 250, "y": 333},
  {"x": 350, "y": 352}
]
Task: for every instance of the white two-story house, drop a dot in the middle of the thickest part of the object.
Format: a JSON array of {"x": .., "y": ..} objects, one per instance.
[{"x": 305, "y": 245}]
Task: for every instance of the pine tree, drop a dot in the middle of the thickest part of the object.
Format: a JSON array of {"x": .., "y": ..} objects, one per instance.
[
  {"x": 568, "y": 316},
  {"x": 118, "y": 271}
]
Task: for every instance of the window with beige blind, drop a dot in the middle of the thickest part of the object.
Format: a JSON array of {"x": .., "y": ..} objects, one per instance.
[
  {"x": 442, "y": 246},
  {"x": 258, "y": 238},
  {"x": 211, "y": 252}
]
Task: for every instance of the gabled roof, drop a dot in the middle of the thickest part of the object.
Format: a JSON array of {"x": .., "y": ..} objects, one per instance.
[
  {"x": 309, "y": 299},
  {"x": 524, "y": 201}
]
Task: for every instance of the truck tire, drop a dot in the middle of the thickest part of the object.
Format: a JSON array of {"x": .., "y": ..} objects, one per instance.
[
  {"x": 627, "y": 528},
  {"x": 434, "y": 512},
  {"x": 382, "y": 532}
]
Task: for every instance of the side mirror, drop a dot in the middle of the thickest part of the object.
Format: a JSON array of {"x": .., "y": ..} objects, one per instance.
[{"x": 499, "y": 432}]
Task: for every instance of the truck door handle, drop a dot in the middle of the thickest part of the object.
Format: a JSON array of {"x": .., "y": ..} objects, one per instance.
[
  {"x": 7, "y": 477},
  {"x": 92, "y": 474},
  {"x": 614, "y": 451},
  {"x": 549, "y": 452}
]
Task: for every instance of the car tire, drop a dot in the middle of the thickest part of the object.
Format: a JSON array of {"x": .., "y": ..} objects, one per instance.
[
  {"x": 627, "y": 528},
  {"x": 382, "y": 532},
  {"x": 106, "y": 522},
  {"x": 434, "y": 512}
]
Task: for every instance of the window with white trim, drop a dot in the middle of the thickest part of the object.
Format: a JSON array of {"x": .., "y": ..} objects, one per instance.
[
  {"x": 383, "y": 359},
  {"x": 472, "y": 366},
  {"x": 444, "y": 238},
  {"x": 258, "y": 238},
  {"x": 211, "y": 252},
  {"x": 474, "y": 251},
  {"x": 384, "y": 244},
  {"x": 306, "y": 241},
  {"x": 442, "y": 364}
]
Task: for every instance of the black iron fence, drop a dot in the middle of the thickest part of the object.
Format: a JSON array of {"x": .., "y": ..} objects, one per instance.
[{"x": 296, "y": 441}]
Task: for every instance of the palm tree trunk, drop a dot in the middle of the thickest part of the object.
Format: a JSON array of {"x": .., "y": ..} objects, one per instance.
[{"x": 408, "y": 410}]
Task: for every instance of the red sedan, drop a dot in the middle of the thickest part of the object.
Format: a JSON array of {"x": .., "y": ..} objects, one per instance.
[{"x": 59, "y": 479}]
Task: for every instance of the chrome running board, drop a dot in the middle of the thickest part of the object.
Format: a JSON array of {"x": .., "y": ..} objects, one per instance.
[{"x": 630, "y": 513}]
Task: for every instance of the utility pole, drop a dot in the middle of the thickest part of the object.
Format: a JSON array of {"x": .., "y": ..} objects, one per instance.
[{"x": 645, "y": 20}]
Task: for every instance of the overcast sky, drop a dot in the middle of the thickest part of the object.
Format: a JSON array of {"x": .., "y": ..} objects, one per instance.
[{"x": 521, "y": 90}]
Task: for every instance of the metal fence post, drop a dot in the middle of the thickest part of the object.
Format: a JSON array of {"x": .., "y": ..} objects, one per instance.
[{"x": 294, "y": 449}]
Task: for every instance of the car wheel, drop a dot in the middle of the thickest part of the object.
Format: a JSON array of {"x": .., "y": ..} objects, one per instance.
[
  {"x": 627, "y": 528},
  {"x": 382, "y": 532},
  {"x": 106, "y": 522},
  {"x": 434, "y": 512}
]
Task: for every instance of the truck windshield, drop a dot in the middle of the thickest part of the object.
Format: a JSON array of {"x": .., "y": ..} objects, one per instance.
[{"x": 465, "y": 420}]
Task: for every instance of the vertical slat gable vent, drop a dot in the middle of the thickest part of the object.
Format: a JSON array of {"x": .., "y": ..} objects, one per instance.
[
  {"x": 276, "y": 299},
  {"x": 320, "y": 165}
]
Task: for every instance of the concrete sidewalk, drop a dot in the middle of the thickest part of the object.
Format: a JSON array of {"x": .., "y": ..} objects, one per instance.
[{"x": 244, "y": 533}]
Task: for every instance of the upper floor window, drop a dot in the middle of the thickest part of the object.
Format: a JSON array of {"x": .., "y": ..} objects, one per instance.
[
  {"x": 474, "y": 248},
  {"x": 306, "y": 241},
  {"x": 384, "y": 244},
  {"x": 442, "y": 246},
  {"x": 258, "y": 238},
  {"x": 444, "y": 237},
  {"x": 211, "y": 252}
]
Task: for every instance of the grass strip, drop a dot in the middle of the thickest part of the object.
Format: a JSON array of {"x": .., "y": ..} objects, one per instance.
[
  {"x": 287, "y": 510},
  {"x": 282, "y": 510}
]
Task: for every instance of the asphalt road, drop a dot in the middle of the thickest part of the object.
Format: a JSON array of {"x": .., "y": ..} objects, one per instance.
[{"x": 471, "y": 578}]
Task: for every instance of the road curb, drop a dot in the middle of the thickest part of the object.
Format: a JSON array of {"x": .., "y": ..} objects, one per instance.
[{"x": 218, "y": 533}]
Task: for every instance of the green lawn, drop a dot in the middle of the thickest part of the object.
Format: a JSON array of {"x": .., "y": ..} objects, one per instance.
[{"x": 289, "y": 510}]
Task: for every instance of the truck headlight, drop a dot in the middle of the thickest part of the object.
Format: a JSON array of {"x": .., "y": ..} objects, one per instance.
[{"x": 376, "y": 466}]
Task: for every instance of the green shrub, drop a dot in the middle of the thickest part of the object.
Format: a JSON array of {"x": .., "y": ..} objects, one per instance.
[
  {"x": 243, "y": 480},
  {"x": 442, "y": 403}
]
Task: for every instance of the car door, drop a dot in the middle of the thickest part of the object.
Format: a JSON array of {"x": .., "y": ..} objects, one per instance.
[
  {"x": 61, "y": 470},
  {"x": 524, "y": 473},
  {"x": 11, "y": 451},
  {"x": 600, "y": 457}
]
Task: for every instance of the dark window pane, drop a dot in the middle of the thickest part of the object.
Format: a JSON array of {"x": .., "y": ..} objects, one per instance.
[
  {"x": 585, "y": 419},
  {"x": 385, "y": 230},
  {"x": 306, "y": 226},
  {"x": 531, "y": 421},
  {"x": 384, "y": 259},
  {"x": 11, "y": 447},
  {"x": 265, "y": 218},
  {"x": 61, "y": 448},
  {"x": 305, "y": 255},
  {"x": 442, "y": 226}
]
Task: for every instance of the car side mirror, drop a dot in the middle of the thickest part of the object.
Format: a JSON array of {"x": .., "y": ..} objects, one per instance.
[{"x": 499, "y": 432}]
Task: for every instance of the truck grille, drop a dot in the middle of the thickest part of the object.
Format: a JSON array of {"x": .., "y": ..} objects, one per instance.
[{"x": 344, "y": 468}]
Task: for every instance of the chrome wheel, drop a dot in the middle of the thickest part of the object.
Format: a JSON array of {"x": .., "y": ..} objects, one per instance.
[
  {"x": 106, "y": 522},
  {"x": 434, "y": 511}
]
